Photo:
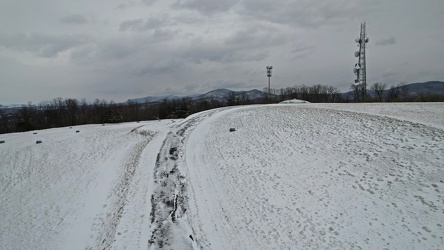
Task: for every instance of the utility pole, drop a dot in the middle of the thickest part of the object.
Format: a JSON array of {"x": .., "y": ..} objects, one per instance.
[
  {"x": 269, "y": 68},
  {"x": 360, "y": 68}
]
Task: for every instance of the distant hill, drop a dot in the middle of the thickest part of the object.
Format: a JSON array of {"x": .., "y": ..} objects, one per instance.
[
  {"x": 154, "y": 99},
  {"x": 431, "y": 87},
  {"x": 434, "y": 87},
  {"x": 217, "y": 94}
]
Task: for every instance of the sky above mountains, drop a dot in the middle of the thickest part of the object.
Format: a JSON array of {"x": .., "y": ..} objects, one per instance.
[{"x": 117, "y": 49}]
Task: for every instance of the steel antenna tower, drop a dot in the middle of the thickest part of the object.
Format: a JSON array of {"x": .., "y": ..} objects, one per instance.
[
  {"x": 361, "y": 68},
  {"x": 269, "y": 68}
]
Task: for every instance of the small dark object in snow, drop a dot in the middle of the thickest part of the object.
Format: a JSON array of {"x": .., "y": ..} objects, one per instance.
[
  {"x": 2, "y": 141},
  {"x": 172, "y": 150},
  {"x": 232, "y": 129},
  {"x": 38, "y": 142},
  {"x": 191, "y": 237},
  {"x": 103, "y": 124},
  {"x": 34, "y": 133},
  {"x": 70, "y": 127},
  {"x": 77, "y": 131},
  {"x": 138, "y": 122}
]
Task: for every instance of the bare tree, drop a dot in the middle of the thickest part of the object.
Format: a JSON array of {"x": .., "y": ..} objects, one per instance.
[
  {"x": 403, "y": 91},
  {"x": 243, "y": 98},
  {"x": 357, "y": 93},
  {"x": 333, "y": 94},
  {"x": 379, "y": 89},
  {"x": 231, "y": 99},
  {"x": 393, "y": 94},
  {"x": 3, "y": 121}
]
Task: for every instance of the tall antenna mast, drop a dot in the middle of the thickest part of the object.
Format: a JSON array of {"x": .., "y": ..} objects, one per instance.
[
  {"x": 361, "y": 68},
  {"x": 269, "y": 68}
]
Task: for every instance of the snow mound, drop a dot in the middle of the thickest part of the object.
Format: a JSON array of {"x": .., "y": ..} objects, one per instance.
[{"x": 293, "y": 101}]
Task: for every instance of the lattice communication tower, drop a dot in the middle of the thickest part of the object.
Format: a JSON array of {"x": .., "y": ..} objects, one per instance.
[
  {"x": 360, "y": 67},
  {"x": 269, "y": 68}
]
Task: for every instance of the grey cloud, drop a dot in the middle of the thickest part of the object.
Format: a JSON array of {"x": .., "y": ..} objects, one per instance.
[
  {"x": 124, "y": 6},
  {"x": 74, "y": 19},
  {"x": 163, "y": 35},
  {"x": 159, "y": 68},
  {"x": 257, "y": 37},
  {"x": 124, "y": 49},
  {"x": 405, "y": 63},
  {"x": 148, "y": 2},
  {"x": 41, "y": 45},
  {"x": 201, "y": 54},
  {"x": 311, "y": 14},
  {"x": 131, "y": 24},
  {"x": 140, "y": 25},
  {"x": 204, "y": 6},
  {"x": 387, "y": 41},
  {"x": 104, "y": 52},
  {"x": 121, "y": 6},
  {"x": 124, "y": 53},
  {"x": 247, "y": 45},
  {"x": 388, "y": 74},
  {"x": 302, "y": 52}
]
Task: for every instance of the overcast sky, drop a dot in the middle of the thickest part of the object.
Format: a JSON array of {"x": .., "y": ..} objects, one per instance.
[{"x": 116, "y": 49}]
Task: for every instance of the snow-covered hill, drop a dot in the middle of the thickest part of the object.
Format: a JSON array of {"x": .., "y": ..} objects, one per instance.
[{"x": 305, "y": 176}]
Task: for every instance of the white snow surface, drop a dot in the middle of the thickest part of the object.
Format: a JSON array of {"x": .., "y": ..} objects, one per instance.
[
  {"x": 305, "y": 176},
  {"x": 293, "y": 101}
]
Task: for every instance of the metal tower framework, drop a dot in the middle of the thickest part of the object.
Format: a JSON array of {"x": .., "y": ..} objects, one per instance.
[
  {"x": 269, "y": 68},
  {"x": 360, "y": 68}
]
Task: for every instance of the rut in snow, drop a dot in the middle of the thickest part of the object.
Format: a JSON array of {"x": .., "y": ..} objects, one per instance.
[{"x": 169, "y": 200}]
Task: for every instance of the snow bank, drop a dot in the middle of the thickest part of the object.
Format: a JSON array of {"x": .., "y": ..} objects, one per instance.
[{"x": 294, "y": 101}]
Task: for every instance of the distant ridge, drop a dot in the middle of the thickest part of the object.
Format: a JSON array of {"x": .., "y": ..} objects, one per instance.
[
  {"x": 430, "y": 87},
  {"x": 217, "y": 94}
]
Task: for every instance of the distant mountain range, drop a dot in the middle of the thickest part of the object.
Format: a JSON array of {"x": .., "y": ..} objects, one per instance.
[
  {"x": 217, "y": 94},
  {"x": 435, "y": 87},
  {"x": 431, "y": 87}
]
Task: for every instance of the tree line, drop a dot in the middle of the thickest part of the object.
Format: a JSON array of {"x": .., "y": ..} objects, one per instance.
[
  {"x": 61, "y": 112},
  {"x": 396, "y": 93}
]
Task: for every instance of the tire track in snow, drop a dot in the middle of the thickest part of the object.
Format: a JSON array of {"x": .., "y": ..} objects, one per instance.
[
  {"x": 169, "y": 225},
  {"x": 108, "y": 224}
]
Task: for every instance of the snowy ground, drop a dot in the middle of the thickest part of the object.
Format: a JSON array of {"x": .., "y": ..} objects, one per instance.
[
  {"x": 292, "y": 176},
  {"x": 78, "y": 190}
]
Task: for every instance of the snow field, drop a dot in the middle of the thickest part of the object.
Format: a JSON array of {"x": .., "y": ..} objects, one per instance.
[
  {"x": 299, "y": 176},
  {"x": 70, "y": 191},
  {"x": 304, "y": 176}
]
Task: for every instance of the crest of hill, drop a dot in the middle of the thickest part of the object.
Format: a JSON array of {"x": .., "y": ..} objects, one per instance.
[
  {"x": 221, "y": 94},
  {"x": 432, "y": 87}
]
